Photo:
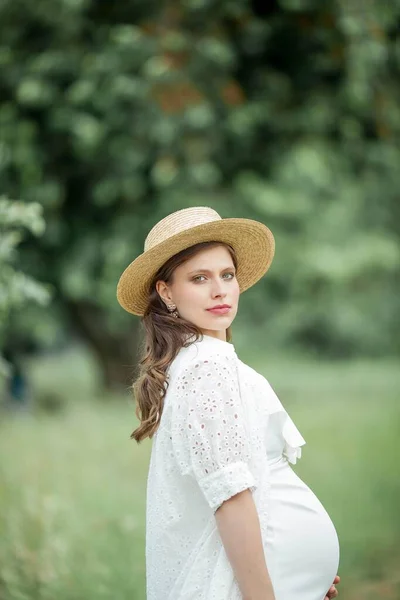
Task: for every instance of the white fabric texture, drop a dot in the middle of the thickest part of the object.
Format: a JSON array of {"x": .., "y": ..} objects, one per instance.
[
  {"x": 224, "y": 430},
  {"x": 209, "y": 437}
]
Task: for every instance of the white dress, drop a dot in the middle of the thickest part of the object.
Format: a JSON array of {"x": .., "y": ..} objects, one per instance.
[{"x": 223, "y": 430}]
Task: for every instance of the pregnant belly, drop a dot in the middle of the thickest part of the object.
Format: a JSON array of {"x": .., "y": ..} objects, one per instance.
[{"x": 302, "y": 547}]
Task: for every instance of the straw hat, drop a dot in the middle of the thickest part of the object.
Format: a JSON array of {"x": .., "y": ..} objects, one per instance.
[{"x": 252, "y": 242}]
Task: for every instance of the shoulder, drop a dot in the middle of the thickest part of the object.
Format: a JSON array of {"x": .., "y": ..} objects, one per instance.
[
  {"x": 204, "y": 359},
  {"x": 204, "y": 382}
]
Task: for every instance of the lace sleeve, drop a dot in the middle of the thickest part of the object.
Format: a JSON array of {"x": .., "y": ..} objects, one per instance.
[{"x": 209, "y": 433}]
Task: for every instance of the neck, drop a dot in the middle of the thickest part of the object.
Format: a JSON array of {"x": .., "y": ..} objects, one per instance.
[{"x": 219, "y": 335}]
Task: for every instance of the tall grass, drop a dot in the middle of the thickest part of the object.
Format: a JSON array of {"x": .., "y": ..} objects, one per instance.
[{"x": 73, "y": 485}]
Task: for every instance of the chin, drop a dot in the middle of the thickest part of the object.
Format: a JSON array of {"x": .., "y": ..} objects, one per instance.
[{"x": 222, "y": 325}]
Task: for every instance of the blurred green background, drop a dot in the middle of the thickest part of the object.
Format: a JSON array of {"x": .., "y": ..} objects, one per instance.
[{"x": 113, "y": 115}]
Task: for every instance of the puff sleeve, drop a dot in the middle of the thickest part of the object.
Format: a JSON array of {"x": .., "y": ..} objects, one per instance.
[{"x": 209, "y": 429}]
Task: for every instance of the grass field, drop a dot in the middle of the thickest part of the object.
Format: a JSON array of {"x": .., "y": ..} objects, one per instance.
[{"x": 72, "y": 483}]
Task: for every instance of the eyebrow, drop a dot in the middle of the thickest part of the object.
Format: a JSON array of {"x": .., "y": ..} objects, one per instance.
[{"x": 208, "y": 271}]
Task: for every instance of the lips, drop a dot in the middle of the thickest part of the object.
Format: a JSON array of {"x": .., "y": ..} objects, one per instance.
[
  {"x": 219, "y": 310},
  {"x": 219, "y": 306}
]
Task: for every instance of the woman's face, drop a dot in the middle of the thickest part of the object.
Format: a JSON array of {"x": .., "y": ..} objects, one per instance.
[{"x": 204, "y": 281}]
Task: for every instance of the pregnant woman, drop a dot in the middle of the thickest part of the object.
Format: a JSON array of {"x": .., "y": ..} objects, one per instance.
[{"x": 227, "y": 518}]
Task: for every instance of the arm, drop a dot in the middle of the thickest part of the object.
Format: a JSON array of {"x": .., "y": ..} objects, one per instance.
[{"x": 239, "y": 528}]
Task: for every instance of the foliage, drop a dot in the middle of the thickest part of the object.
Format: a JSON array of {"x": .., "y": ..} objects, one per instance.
[
  {"x": 115, "y": 114},
  {"x": 17, "y": 289}
]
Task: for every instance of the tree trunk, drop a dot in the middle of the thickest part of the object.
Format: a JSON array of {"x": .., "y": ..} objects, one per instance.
[{"x": 116, "y": 352}]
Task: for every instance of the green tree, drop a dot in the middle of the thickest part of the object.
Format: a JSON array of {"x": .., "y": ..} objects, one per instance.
[
  {"x": 115, "y": 114},
  {"x": 17, "y": 289}
]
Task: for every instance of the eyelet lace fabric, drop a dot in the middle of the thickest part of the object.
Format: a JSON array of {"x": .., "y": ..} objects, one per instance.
[
  {"x": 211, "y": 444},
  {"x": 208, "y": 429}
]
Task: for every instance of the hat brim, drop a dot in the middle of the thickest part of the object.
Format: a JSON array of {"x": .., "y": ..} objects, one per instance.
[{"x": 252, "y": 242}]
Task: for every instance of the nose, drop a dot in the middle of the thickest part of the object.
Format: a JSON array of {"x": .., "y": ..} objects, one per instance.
[{"x": 218, "y": 290}]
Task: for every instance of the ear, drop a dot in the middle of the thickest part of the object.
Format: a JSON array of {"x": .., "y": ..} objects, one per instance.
[{"x": 164, "y": 292}]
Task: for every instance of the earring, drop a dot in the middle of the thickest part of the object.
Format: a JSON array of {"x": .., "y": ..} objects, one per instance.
[{"x": 172, "y": 310}]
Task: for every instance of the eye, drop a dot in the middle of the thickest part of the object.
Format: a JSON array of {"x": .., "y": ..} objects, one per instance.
[{"x": 197, "y": 278}]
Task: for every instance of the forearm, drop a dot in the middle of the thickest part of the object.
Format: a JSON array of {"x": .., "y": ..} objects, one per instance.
[{"x": 239, "y": 528}]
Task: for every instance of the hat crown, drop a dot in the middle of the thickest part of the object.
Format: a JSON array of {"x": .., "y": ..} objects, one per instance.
[{"x": 179, "y": 221}]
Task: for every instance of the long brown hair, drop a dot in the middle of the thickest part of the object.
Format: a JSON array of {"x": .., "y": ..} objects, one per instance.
[{"x": 164, "y": 337}]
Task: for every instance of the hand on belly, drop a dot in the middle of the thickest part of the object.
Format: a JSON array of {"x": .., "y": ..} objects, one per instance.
[{"x": 332, "y": 592}]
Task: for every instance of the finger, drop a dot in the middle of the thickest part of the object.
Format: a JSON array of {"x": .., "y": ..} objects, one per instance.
[{"x": 337, "y": 579}]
